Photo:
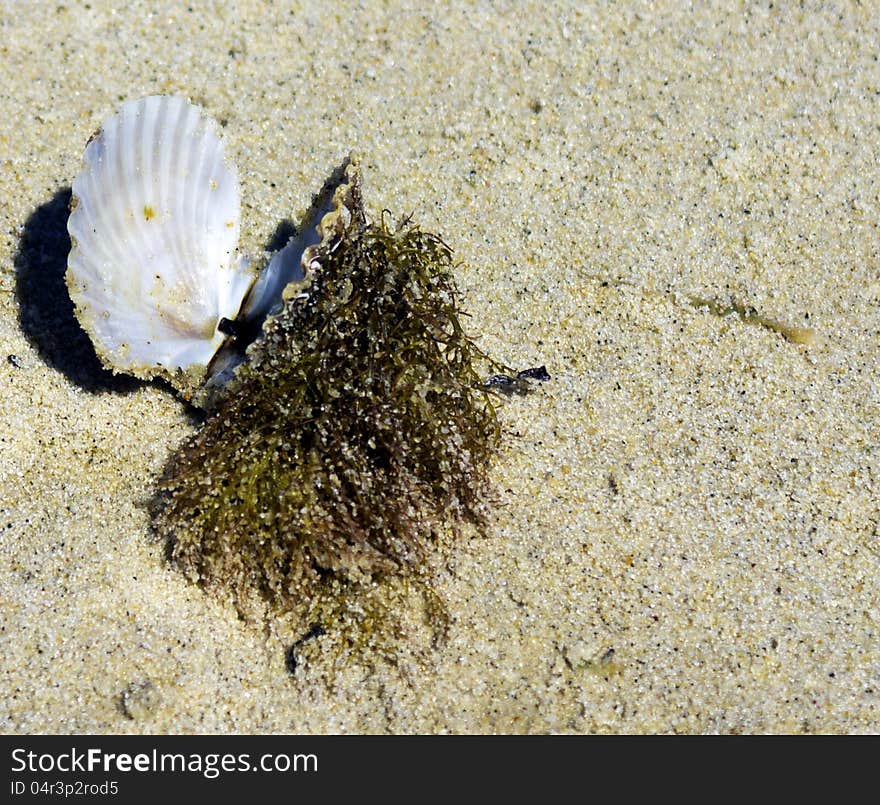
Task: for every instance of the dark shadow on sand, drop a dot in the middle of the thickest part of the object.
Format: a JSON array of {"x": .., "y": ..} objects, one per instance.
[
  {"x": 282, "y": 234},
  {"x": 45, "y": 309}
]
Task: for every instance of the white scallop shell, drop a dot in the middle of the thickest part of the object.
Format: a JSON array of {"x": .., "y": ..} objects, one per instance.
[{"x": 154, "y": 231}]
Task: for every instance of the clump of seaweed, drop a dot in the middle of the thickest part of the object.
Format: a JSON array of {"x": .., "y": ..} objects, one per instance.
[{"x": 358, "y": 431}]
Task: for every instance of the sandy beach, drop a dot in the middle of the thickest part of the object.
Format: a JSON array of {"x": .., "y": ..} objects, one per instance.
[{"x": 674, "y": 207}]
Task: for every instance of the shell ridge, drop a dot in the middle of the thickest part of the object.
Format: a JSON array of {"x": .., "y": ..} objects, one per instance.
[
  {"x": 165, "y": 189},
  {"x": 182, "y": 283},
  {"x": 220, "y": 228},
  {"x": 147, "y": 167},
  {"x": 161, "y": 255},
  {"x": 205, "y": 247},
  {"x": 110, "y": 217},
  {"x": 203, "y": 222},
  {"x": 127, "y": 208},
  {"x": 80, "y": 225},
  {"x": 131, "y": 169},
  {"x": 174, "y": 171},
  {"x": 181, "y": 171},
  {"x": 150, "y": 215},
  {"x": 212, "y": 248},
  {"x": 191, "y": 168},
  {"x": 128, "y": 154},
  {"x": 228, "y": 266},
  {"x": 108, "y": 230},
  {"x": 97, "y": 158}
]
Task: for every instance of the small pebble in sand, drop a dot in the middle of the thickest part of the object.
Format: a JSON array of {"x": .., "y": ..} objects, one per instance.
[
  {"x": 590, "y": 651},
  {"x": 140, "y": 700}
]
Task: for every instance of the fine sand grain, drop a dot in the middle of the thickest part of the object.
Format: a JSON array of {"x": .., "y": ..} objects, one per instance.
[{"x": 674, "y": 207}]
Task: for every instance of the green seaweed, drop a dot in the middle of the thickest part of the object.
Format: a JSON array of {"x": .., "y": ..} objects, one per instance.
[
  {"x": 356, "y": 434},
  {"x": 749, "y": 315}
]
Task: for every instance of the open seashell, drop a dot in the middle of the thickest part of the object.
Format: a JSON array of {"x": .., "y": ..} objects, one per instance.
[
  {"x": 154, "y": 226},
  {"x": 154, "y": 271}
]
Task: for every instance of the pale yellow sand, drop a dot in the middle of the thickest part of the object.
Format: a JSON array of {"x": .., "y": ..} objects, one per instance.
[{"x": 687, "y": 532}]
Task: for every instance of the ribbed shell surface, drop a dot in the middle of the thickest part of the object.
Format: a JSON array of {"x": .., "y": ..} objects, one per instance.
[{"x": 154, "y": 230}]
